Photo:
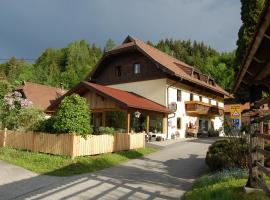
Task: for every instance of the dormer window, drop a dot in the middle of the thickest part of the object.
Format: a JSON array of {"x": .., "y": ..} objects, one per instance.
[
  {"x": 196, "y": 75},
  {"x": 211, "y": 82},
  {"x": 137, "y": 68},
  {"x": 118, "y": 71}
]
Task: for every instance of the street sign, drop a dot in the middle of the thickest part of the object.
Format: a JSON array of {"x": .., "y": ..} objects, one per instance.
[{"x": 235, "y": 111}]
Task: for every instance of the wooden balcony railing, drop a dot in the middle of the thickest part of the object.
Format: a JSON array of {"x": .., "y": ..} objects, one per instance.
[{"x": 200, "y": 108}]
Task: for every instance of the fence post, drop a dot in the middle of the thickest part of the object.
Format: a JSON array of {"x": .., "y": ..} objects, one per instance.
[
  {"x": 4, "y": 137},
  {"x": 255, "y": 157},
  {"x": 72, "y": 146}
]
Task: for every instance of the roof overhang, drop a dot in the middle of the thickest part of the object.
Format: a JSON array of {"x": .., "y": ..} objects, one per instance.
[
  {"x": 83, "y": 87},
  {"x": 255, "y": 69}
]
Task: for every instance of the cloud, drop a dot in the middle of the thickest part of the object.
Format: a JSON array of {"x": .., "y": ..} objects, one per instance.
[{"x": 29, "y": 27}]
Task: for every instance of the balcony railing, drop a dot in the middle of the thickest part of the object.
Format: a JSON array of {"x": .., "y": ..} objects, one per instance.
[{"x": 200, "y": 108}]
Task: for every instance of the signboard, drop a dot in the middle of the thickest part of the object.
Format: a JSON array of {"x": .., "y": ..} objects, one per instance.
[
  {"x": 173, "y": 106},
  {"x": 235, "y": 112}
]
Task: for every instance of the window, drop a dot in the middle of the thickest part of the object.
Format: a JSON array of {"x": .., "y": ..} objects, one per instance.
[
  {"x": 137, "y": 68},
  {"x": 196, "y": 75},
  {"x": 118, "y": 71},
  {"x": 211, "y": 82},
  {"x": 179, "y": 123},
  {"x": 179, "y": 95},
  {"x": 191, "y": 97},
  {"x": 200, "y": 97}
]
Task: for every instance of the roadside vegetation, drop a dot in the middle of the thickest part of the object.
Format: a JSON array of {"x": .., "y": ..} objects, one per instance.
[
  {"x": 64, "y": 166},
  {"x": 224, "y": 185}
]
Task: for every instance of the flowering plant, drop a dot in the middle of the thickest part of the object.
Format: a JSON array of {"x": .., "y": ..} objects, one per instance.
[{"x": 15, "y": 100}]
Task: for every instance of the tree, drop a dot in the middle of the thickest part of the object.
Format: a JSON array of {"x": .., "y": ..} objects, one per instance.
[
  {"x": 73, "y": 116},
  {"x": 5, "y": 88},
  {"x": 109, "y": 45},
  {"x": 250, "y": 13}
]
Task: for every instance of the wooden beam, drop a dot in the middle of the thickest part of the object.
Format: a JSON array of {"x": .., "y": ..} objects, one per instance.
[
  {"x": 264, "y": 72},
  {"x": 103, "y": 122},
  {"x": 249, "y": 73},
  {"x": 128, "y": 121},
  {"x": 165, "y": 124},
  {"x": 261, "y": 102},
  {"x": 147, "y": 123},
  {"x": 258, "y": 60},
  {"x": 267, "y": 36}
]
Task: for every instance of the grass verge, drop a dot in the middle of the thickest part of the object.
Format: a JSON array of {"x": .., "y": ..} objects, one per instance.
[
  {"x": 226, "y": 185},
  {"x": 65, "y": 166}
]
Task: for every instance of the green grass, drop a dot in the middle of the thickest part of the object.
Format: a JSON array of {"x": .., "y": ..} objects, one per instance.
[
  {"x": 65, "y": 166},
  {"x": 226, "y": 185}
]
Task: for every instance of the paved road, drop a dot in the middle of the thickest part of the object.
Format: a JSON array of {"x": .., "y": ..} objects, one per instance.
[{"x": 166, "y": 174}]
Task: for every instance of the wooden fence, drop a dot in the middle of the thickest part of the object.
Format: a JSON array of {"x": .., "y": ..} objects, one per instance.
[
  {"x": 71, "y": 145},
  {"x": 258, "y": 138}
]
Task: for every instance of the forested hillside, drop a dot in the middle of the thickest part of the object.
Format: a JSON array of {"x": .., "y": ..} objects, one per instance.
[{"x": 71, "y": 64}]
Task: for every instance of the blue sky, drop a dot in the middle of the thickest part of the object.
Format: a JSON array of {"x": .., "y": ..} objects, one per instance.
[{"x": 28, "y": 27}]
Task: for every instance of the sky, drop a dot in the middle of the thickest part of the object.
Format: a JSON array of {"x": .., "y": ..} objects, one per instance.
[{"x": 28, "y": 27}]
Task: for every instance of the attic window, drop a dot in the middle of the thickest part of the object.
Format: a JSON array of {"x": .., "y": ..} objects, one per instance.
[
  {"x": 118, "y": 71},
  {"x": 196, "y": 75},
  {"x": 211, "y": 82},
  {"x": 137, "y": 68}
]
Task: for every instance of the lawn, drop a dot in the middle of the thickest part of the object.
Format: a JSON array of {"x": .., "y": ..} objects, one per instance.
[
  {"x": 226, "y": 185},
  {"x": 65, "y": 166}
]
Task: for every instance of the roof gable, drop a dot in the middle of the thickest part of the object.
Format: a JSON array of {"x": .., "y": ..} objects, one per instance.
[
  {"x": 169, "y": 64},
  {"x": 123, "y": 98}
]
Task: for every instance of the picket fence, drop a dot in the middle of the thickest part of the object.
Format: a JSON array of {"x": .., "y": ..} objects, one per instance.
[{"x": 69, "y": 144}]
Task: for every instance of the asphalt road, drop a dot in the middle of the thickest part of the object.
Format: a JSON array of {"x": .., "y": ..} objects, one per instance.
[{"x": 166, "y": 174}]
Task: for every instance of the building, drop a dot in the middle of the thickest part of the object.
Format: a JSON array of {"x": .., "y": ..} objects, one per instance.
[
  {"x": 40, "y": 95},
  {"x": 188, "y": 101}
]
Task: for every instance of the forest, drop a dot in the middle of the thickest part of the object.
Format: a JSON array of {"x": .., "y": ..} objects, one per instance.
[{"x": 71, "y": 64}]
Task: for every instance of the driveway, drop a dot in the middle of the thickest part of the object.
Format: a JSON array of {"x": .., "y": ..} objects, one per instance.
[{"x": 166, "y": 174}]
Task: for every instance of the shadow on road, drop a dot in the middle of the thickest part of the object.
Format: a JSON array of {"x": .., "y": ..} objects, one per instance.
[{"x": 144, "y": 178}]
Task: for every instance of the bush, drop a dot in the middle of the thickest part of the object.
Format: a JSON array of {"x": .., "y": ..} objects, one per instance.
[
  {"x": 73, "y": 116},
  {"x": 225, "y": 154},
  {"x": 29, "y": 118},
  {"x": 213, "y": 133},
  {"x": 45, "y": 126},
  {"x": 106, "y": 130}
]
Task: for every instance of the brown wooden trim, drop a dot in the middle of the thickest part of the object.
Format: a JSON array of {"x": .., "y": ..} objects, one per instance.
[
  {"x": 147, "y": 123},
  {"x": 261, "y": 102},
  {"x": 128, "y": 121}
]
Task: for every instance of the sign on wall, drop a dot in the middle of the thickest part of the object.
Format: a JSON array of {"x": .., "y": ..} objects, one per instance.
[{"x": 235, "y": 111}]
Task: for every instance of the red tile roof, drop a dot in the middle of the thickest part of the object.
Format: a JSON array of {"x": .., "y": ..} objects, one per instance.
[
  {"x": 123, "y": 98},
  {"x": 176, "y": 67},
  {"x": 41, "y": 95}
]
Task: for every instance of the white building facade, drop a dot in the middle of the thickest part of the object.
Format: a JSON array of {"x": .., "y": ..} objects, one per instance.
[{"x": 167, "y": 92}]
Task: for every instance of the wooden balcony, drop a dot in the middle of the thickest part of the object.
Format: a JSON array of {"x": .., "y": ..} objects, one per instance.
[{"x": 200, "y": 108}]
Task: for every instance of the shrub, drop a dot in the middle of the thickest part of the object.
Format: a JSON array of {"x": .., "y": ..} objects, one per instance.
[
  {"x": 224, "y": 154},
  {"x": 73, "y": 116},
  {"x": 45, "y": 126},
  {"x": 213, "y": 133},
  {"x": 29, "y": 118},
  {"x": 106, "y": 130},
  {"x": 18, "y": 113}
]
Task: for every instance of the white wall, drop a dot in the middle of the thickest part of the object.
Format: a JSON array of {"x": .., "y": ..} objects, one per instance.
[
  {"x": 154, "y": 90},
  {"x": 181, "y": 112}
]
